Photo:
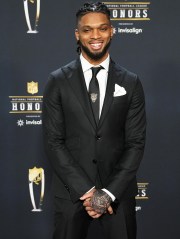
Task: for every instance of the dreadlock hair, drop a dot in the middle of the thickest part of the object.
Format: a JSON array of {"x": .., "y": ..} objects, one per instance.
[
  {"x": 92, "y": 7},
  {"x": 88, "y": 7}
]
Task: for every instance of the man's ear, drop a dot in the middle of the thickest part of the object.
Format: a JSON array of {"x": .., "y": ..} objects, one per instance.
[{"x": 77, "y": 34}]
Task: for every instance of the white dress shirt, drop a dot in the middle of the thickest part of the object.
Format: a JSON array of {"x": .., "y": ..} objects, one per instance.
[
  {"x": 101, "y": 77},
  {"x": 102, "y": 80}
]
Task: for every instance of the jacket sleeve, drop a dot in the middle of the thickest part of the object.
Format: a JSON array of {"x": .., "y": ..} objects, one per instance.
[
  {"x": 54, "y": 133},
  {"x": 135, "y": 126}
]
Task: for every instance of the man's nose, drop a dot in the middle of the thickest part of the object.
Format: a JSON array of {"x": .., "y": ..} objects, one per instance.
[{"x": 95, "y": 34}]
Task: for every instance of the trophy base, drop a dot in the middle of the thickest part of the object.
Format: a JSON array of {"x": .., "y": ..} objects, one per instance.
[
  {"x": 34, "y": 32},
  {"x": 36, "y": 210}
]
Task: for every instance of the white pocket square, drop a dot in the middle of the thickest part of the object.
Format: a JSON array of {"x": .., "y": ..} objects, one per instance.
[{"x": 119, "y": 91}]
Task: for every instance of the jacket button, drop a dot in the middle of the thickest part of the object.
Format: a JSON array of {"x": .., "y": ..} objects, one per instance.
[
  {"x": 94, "y": 161},
  {"x": 66, "y": 187},
  {"x": 98, "y": 137}
]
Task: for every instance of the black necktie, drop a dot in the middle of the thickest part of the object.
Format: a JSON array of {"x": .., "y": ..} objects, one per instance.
[{"x": 94, "y": 93}]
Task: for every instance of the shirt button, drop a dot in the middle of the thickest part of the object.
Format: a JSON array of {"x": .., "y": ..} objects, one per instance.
[{"x": 94, "y": 161}]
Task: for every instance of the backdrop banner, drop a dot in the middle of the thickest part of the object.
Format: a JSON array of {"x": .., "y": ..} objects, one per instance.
[{"x": 37, "y": 37}]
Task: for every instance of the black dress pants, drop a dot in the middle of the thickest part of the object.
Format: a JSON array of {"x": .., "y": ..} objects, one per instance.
[{"x": 72, "y": 221}]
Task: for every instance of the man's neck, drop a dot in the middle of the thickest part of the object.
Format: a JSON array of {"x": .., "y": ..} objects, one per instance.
[{"x": 95, "y": 62}]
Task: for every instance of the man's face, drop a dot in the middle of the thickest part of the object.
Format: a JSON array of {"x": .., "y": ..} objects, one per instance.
[{"x": 94, "y": 34}]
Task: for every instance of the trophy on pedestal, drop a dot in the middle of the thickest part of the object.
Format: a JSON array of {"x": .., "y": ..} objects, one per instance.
[
  {"x": 27, "y": 15},
  {"x": 36, "y": 176}
]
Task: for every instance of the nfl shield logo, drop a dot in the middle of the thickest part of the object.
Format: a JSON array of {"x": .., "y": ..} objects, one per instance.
[
  {"x": 32, "y": 87},
  {"x": 35, "y": 175}
]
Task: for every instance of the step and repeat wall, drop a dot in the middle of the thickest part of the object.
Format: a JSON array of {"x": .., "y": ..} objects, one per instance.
[{"x": 37, "y": 37}]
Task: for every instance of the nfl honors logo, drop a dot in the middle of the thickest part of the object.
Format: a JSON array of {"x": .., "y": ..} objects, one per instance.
[
  {"x": 32, "y": 87},
  {"x": 27, "y": 104}
]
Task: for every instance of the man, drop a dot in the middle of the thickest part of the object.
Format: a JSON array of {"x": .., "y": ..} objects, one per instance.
[{"x": 94, "y": 131}]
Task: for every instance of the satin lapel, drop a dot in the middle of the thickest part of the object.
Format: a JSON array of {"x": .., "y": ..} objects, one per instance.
[
  {"x": 77, "y": 82},
  {"x": 109, "y": 93}
]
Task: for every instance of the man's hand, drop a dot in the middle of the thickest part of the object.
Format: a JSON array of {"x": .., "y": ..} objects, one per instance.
[
  {"x": 88, "y": 203},
  {"x": 92, "y": 212},
  {"x": 88, "y": 195},
  {"x": 100, "y": 201}
]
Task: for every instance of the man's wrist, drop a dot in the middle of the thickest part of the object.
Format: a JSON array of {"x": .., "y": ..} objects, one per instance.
[{"x": 110, "y": 194}]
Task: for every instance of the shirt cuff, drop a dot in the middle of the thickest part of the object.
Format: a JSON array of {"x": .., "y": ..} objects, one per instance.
[
  {"x": 110, "y": 194},
  {"x": 90, "y": 189}
]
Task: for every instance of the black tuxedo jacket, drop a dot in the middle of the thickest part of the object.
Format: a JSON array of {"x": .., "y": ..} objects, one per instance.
[{"x": 78, "y": 149}]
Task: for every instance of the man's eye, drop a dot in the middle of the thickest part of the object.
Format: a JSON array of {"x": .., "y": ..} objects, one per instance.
[
  {"x": 86, "y": 30},
  {"x": 103, "y": 29}
]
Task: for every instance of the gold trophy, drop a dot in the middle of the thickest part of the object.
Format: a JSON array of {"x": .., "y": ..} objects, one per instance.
[
  {"x": 26, "y": 10},
  {"x": 36, "y": 175}
]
